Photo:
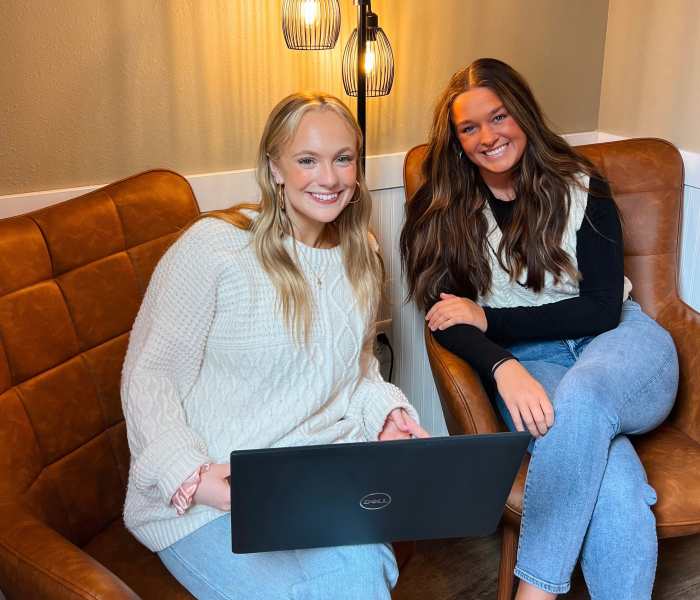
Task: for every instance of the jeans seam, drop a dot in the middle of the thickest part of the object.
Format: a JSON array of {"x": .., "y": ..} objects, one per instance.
[
  {"x": 196, "y": 573},
  {"x": 547, "y": 586},
  {"x": 523, "y": 520},
  {"x": 629, "y": 396},
  {"x": 519, "y": 571}
]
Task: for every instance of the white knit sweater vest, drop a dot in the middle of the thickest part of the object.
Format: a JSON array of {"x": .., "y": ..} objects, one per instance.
[
  {"x": 506, "y": 293},
  {"x": 211, "y": 367}
]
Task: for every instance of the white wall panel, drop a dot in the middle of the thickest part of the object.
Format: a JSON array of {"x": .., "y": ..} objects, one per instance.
[
  {"x": 690, "y": 248},
  {"x": 411, "y": 368}
]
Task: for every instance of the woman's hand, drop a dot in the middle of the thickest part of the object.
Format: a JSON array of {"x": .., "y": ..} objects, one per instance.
[
  {"x": 525, "y": 398},
  {"x": 453, "y": 310},
  {"x": 399, "y": 425},
  {"x": 214, "y": 489}
]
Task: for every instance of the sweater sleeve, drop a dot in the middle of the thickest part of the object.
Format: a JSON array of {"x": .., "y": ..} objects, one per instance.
[
  {"x": 373, "y": 399},
  {"x": 163, "y": 361},
  {"x": 472, "y": 345},
  {"x": 599, "y": 254}
]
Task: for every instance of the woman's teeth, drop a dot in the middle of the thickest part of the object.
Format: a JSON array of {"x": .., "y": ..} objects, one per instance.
[
  {"x": 496, "y": 151},
  {"x": 324, "y": 197}
]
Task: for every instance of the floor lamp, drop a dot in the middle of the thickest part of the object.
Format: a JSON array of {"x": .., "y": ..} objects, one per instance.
[{"x": 368, "y": 61}]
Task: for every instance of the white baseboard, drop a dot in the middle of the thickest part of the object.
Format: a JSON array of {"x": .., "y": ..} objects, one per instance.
[{"x": 224, "y": 188}]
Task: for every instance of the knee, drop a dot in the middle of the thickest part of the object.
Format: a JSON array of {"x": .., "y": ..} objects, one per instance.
[
  {"x": 372, "y": 565},
  {"x": 583, "y": 403},
  {"x": 348, "y": 572}
]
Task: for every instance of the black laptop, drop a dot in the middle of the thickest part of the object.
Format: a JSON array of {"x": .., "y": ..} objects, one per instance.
[{"x": 340, "y": 494}]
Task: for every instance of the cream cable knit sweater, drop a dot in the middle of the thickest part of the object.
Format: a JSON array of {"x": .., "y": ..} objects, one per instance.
[{"x": 211, "y": 368}]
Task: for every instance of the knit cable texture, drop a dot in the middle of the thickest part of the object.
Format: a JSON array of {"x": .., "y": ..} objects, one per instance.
[{"x": 211, "y": 367}]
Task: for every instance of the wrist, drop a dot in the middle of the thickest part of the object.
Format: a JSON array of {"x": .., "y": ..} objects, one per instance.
[
  {"x": 484, "y": 320},
  {"x": 497, "y": 366},
  {"x": 183, "y": 497}
]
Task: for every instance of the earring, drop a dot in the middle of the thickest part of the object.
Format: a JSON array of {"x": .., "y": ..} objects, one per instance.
[
  {"x": 357, "y": 190},
  {"x": 279, "y": 190}
]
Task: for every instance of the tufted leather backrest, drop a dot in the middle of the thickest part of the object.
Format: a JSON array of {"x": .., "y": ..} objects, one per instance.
[
  {"x": 72, "y": 277},
  {"x": 646, "y": 177}
]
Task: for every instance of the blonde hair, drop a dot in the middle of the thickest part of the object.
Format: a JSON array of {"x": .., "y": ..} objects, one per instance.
[{"x": 362, "y": 263}]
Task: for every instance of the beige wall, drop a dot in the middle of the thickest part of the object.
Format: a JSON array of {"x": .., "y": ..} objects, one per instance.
[
  {"x": 95, "y": 90},
  {"x": 651, "y": 75}
]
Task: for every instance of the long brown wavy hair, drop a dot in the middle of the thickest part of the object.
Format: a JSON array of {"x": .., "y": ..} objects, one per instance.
[{"x": 444, "y": 245}]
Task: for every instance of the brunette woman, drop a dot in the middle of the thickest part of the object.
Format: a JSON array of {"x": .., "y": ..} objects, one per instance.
[{"x": 513, "y": 246}]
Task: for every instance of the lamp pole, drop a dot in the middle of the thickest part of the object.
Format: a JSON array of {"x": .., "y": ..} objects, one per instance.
[{"x": 363, "y": 8}]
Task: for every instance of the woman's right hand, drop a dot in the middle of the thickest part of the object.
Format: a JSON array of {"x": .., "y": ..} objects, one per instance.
[
  {"x": 525, "y": 398},
  {"x": 214, "y": 489}
]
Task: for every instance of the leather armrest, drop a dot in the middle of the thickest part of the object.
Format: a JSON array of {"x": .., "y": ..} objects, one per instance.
[
  {"x": 37, "y": 562},
  {"x": 683, "y": 322},
  {"x": 466, "y": 406}
]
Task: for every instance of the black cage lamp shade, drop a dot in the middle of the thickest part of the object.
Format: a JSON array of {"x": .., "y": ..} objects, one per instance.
[
  {"x": 378, "y": 62},
  {"x": 310, "y": 24}
]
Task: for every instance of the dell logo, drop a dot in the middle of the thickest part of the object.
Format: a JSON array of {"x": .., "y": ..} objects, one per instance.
[{"x": 375, "y": 501}]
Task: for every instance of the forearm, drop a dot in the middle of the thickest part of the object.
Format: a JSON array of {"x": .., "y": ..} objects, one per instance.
[
  {"x": 164, "y": 449},
  {"x": 473, "y": 346},
  {"x": 373, "y": 399}
]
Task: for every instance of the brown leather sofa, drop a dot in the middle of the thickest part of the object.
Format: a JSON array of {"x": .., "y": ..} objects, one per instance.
[
  {"x": 646, "y": 176},
  {"x": 71, "y": 281}
]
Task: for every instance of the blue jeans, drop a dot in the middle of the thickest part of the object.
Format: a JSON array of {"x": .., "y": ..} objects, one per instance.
[
  {"x": 204, "y": 564},
  {"x": 586, "y": 492}
]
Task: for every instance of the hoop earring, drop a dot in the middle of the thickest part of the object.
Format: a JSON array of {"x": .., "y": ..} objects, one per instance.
[
  {"x": 357, "y": 190},
  {"x": 460, "y": 154},
  {"x": 279, "y": 192}
]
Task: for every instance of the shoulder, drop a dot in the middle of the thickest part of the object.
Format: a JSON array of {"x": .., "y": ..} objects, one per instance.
[
  {"x": 214, "y": 234},
  {"x": 204, "y": 247},
  {"x": 600, "y": 198},
  {"x": 599, "y": 187},
  {"x": 602, "y": 214}
]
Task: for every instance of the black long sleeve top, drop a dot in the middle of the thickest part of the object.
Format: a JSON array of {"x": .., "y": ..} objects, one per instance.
[{"x": 599, "y": 255}]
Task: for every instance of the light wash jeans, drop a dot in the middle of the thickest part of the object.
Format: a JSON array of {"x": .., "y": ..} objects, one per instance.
[
  {"x": 586, "y": 492},
  {"x": 204, "y": 564}
]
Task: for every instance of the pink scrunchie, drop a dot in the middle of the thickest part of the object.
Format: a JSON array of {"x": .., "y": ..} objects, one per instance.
[{"x": 182, "y": 498}]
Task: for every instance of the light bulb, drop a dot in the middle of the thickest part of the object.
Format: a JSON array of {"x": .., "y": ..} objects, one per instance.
[
  {"x": 369, "y": 58},
  {"x": 309, "y": 10}
]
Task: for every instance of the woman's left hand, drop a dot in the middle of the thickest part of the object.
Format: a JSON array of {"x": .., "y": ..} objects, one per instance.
[
  {"x": 399, "y": 425},
  {"x": 452, "y": 310}
]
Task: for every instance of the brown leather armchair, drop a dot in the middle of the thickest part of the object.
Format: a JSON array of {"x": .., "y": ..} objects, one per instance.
[
  {"x": 646, "y": 176},
  {"x": 72, "y": 277},
  {"x": 71, "y": 281}
]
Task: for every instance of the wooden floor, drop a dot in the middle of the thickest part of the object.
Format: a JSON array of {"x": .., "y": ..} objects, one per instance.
[{"x": 466, "y": 569}]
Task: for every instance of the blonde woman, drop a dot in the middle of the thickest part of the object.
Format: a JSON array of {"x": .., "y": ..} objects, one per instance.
[{"x": 254, "y": 332}]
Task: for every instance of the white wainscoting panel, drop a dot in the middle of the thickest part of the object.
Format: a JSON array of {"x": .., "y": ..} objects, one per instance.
[
  {"x": 690, "y": 248},
  {"x": 411, "y": 368}
]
